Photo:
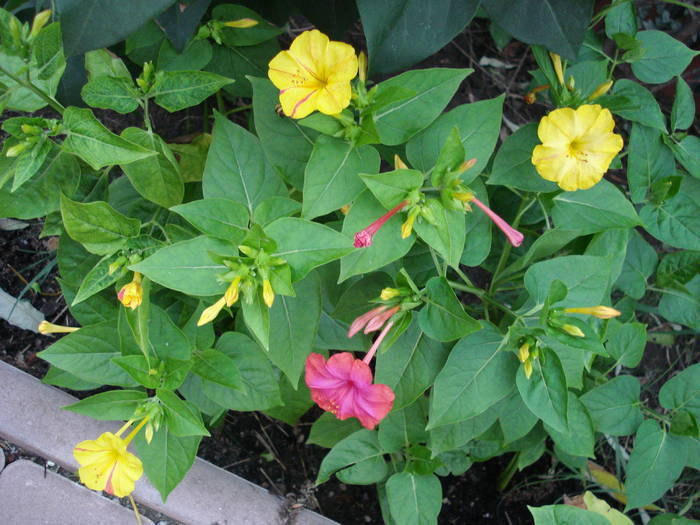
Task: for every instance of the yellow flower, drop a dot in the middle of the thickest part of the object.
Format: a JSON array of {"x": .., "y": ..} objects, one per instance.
[
  {"x": 399, "y": 164},
  {"x": 577, "y": 146},
  {"x": 601, "y": 312},
  {"x": 268, "y": 293},
  {"x": 105, "y": 464},
  {"x": 131, "y": 294},
  {"x": 314, "y": 74},
  {"x": 573, "y": 330},
  {"x": 231, "y": 295},
  {"x": 49, "y": 328},
  {"x": 209, "y": 314}
]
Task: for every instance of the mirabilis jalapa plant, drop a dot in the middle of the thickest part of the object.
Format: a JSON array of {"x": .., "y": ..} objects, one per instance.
[{"x": 211, "y": 276}]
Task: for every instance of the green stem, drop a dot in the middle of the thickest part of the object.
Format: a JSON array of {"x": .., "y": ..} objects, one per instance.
[
  {"x": 57, "y": 106},
  {"x": 481, "y": 294},
  {"x": 442, "y": 270},
  {"x": 220, "y": 104},
  {"x": 146, "y": 116},
  {"x": 683, "y": 4},
  {"x": 238, "y": 109}
]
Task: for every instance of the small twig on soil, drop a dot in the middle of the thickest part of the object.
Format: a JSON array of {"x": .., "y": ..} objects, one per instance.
[{"x": 272, "y": 483}]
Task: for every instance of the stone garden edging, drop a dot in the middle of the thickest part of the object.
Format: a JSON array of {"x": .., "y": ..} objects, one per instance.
[{"x": 31, "y": 417}]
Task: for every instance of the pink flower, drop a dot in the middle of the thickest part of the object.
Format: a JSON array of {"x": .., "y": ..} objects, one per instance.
[
  {"x": 363, "y": 238},
  {"x": 343, "y": 386},
  {"x": 513, "y": 235},
  {"x": 373, "y": 320}
]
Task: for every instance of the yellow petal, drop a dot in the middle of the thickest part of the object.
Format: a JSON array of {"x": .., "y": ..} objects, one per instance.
[
  {"x": 299, "y": 102},
  {"x": 341, "y": 63},
  {"x": 334, "y": 98},
  {"x": 209, "y": 314},
  {"x": 588, "y": 176},
  {"x": 127, "y": 470},
  {"x": 560, "y": 122},
  {"x": 309, "y": 50},
  {"x": 285, "y": 72}
]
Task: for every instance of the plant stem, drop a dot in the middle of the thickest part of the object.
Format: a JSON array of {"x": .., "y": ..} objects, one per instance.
[
  {"x": 146, "y": 116},
  {"x": 481, "y": 294},
  {"x": 57, "y": 106},
  {"x": 220, "y": 104},
  {"x": 442, "y": 271},
  {"x": 238, "y": 109},
  {"x": 683, "y": 4}
]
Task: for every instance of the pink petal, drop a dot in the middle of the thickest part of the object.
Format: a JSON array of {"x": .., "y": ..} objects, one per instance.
[
  {"x": 373, "y": 403},
  {"x": 360, "y": 322}
]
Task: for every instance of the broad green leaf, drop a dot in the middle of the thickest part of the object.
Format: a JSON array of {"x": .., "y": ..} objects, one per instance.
[
  {"x": 387, "y": 245},
  {"x": 111, "y": 405},
  {"x": 414, "y": 499},
  {"x": 599, "y": 506},
  {"x": 477, "y": 374},
  {"x": 306, "y": 245},
  {"x": 683, "y": 110},
  {"x": 102, "y": 63},
  {"x": 656, "y": 461},
  {"x": 216, "y": 367},
  {"x": 287, "y": 145},
  {"x": 599, "y": 208},
  {"x": 559, "y": 25},
  {"x": 328, "y": 430},
  {"x": 244, "y": 65},
  {"x": 456, "y": 435},
  {"x": 614, "y": 406},
  {"x": 579, "y": 438},
  {"x": 29, "y": 163},
  {"x": 431, "y": 90},
  {"x": 138, "y": 368},
  {"x": 88, "y": 139},
  {"x": 274, "y": 208},
  {"x": 256, "y": 315},
  {"x": 443, "y": 317},
  {"x": 649, "y": 160},
  {"x": 236, "y": 167},
  {"x": 626, "y": 342},
  {"x": 611, "y": 244},
  {"x": 566, "y": 515},
  {"x": 57, "y": 377},
  {"x": 545, "y": 392},
  {"x": 88, "y": 353},
  {"x": 513, "y": 166},
  {"x": 195, "y": 56},
  {"x": 401, "y": 33},
  {"x": 401, "y": 428},
  {"x": 221, "y": 218},
  {"x": 664, "y": 57},
  {"x": 682, "y": 391},
  {"x": 97, "y": 279},
  {"x": 96, "y": 225},
  {"x": 676, "y": 221},
  {"x": 390, "y": 188},
  {"x": 293, "y": 326},
  {"x": 683, "y": 307},
  {"x": 167, "y": 458},
  {"x": 515, "y": 420},
  {"x": 621, "y": 18},
  {"x": 156, "y": 178},
  {"x": 291, "y": 404},
  {"x": 477, "y": 240},
  {"x": 176, "y": 90},
  {"x": 233, "y": 37},
  {"x": 410, "y": 366},
  {"x": 687, "y": 152},
  {"x": 331, "y": 178},
  {"x": 642, "y": 107},
  {"x": 478, "y": 123},
  {"x": 361, "y": 448},
  {"x": 447, "y": 235},
  {"x": 187, "y": 266},
  {"x": 678, "y": 267},
  {"x": 108, "y": 92},
  {"x": 639, "y": 264},
  {"x": 546, "y": 244},
  {"x": 181, "y": 417}
]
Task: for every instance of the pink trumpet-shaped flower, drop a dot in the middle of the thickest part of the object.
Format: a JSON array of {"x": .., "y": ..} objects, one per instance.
[
  {"x": 364, "y": 237},
  {"x": 513, "y": 235},
  {"x": 360, "y": 322}
]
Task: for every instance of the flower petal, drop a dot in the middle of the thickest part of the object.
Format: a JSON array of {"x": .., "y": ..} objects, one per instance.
[
  {"x": 561, "y": 124},
  {"x": 341, "y": 62},
  {"x": 334, "y": 98},
  {"x": 285, "y": 72},
  {"x": 373, "y": 403},
  {"x": 299, "y": 102},
  {"x": 309, "y": 50}
]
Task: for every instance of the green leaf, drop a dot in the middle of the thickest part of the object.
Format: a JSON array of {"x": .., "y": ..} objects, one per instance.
[
  {"x": 545, "y": 393},
  {"x": 477, "y": 240},
  {"x": 682, "y": 307},
  {"x": 390, "y": 188},
  {"x": 656, "y": 461},
  {"x": 478, "y": 124},
  {"x": 244, "y": 65},
  {"x": 614, "y": 406},
  {"x": 410, "y": 367},
  {"x": 682, "y": 391},
  {"x": 195, "y": 56},
  {"x": 566, "y": 515},
  {"x": 187, "y": 266},
  {"x": 431, "y": 90},
  {"x": 293, "y": 326},
  {"x": 513, "y": 166},
  {"x": 401, "y": 428},
  {"x": 274, "y": 208},
  {"x": 676, "y": 221},
  {"x": 359, "y": 449},
  {"x": 156, "y": 178},
  {"x": 447, "y": 235},
  {"x": 221, "y": 218},
  {"x": 687, "y": 152},
  {"x": 639, "y": 264},
  {"x": 233, "y": 37},
  {"x": 111, "y": 405},
  {"x": 29, "y": 163},
  {"x": 293, "y": 403},
  {"x": 182, "y": 418},
  {"x": 236, "y": 167},
  {"x": 107, "y": 92},
  {"x": 88, "y": 139},
  {"x": 579, "y": 438},
  {"x": 216, "y": 367},
  {"x": 621, "y": 18},
  {"x": 138, "y": 368},
  {"x": 287, "y": 145},
  {"x": 57, "y": 377},
  {"x": 649, "y": 160},
  {"x": 328, "y": 430},
  {"x": 456, "y": 435},
  {"x": 167, "y": 458},
  {"x": 443, "y": 318},
  {"x": 97, "y": 279},
  {"x": 414, "y": 499},
  {"x": 515, "y": 420},
  {"x": 683, "y": 110},
  {"x": 599, "y": 208},
  {"x": 401, "y": 33},
  {"x": 664, "y": 57},
  {"x": 626, "y": 342},
  {"x": 88, "y": 353},
  {"x": 477, "y": 374},
  {"x": 256, "y": 315},
  {"x": 102, "y": 63},
  {"x": 331, "y": 178},
  {"x": 306, "y": 245},
  {"x": 642, "y": 107},
  {"x": 679, "y": 267},
  {"x": 176, "y": 90}
]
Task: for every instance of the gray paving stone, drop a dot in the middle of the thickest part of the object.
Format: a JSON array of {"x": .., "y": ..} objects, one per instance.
[
  {"x": 31, "y": 417},
  {"x": 30, "y": 496}
]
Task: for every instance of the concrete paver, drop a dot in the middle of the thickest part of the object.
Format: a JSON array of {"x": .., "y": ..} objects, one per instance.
[
  {"x": 31, "y": 417},
  {"x": 31, "y": 496}
]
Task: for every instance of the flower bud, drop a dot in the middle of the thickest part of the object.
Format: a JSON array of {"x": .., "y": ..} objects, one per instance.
[
  {"x": 131, "y": 294},
  {"x": 600, "y": 311},
  {"x": 399, "y": 164},
  {"x": 242, "y": 23},
  {"x": 467, "y": 164},
  {"x": 15, "y": 150},
  {"x": 527, "y": 368},
  {"x": 45, "y": 328},
  {"x": 573, "y": 330},
  {"x": 39, "y": 22},
  {"x": 268, "y": 293},
  {"x": 407, "y": 226},
  {"x": 601, "y": 90},
  {"x": 210, "y": 313},
  {"x": 362, "y": 66},
  {"x": 231, "y": 295},
  {"x": 116, "y": 265},
  {"x": 558, "y": 69},
  {"x": 389, "y": 293},
  {"x": 345, "y": 209},
  {"x": 524, "y": 352},
  {"x": 28, "y": 129}
]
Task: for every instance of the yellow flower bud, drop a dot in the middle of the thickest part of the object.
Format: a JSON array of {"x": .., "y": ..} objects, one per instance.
[
  {"x": 571, "y": 84},
  {"x": 231, "y": 294},
  {"x": 39, "y": 22},
  {"x": 407, "y": 226},
  {"x": 389, "y": 293},
  {"x": 362, "y": 66},
  {"x": 45, "y": 328},
  {"x": 467, "y": 164},
  {"x": 573, "y": 330},
  {"x": 268, "y": 293},
  {"x": 131, "y": 294},
  {"x": 148, "y": 433},
  {"x": 399, "y": 164},
  {"x": 600, "y": 311},
  {"x": 28, "y": 129},
  {"x": 209, "y": 314},
  {"x": 15, "y": 150},
  {"x": 464, "y": 196},
  {"x": 527, "y": 368},
  {"x": 524, "y": 352},
  {"x": 558, "y": 69},
  {"x": 242, "y": 23},
  {"x": 601, "y": 90}
]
